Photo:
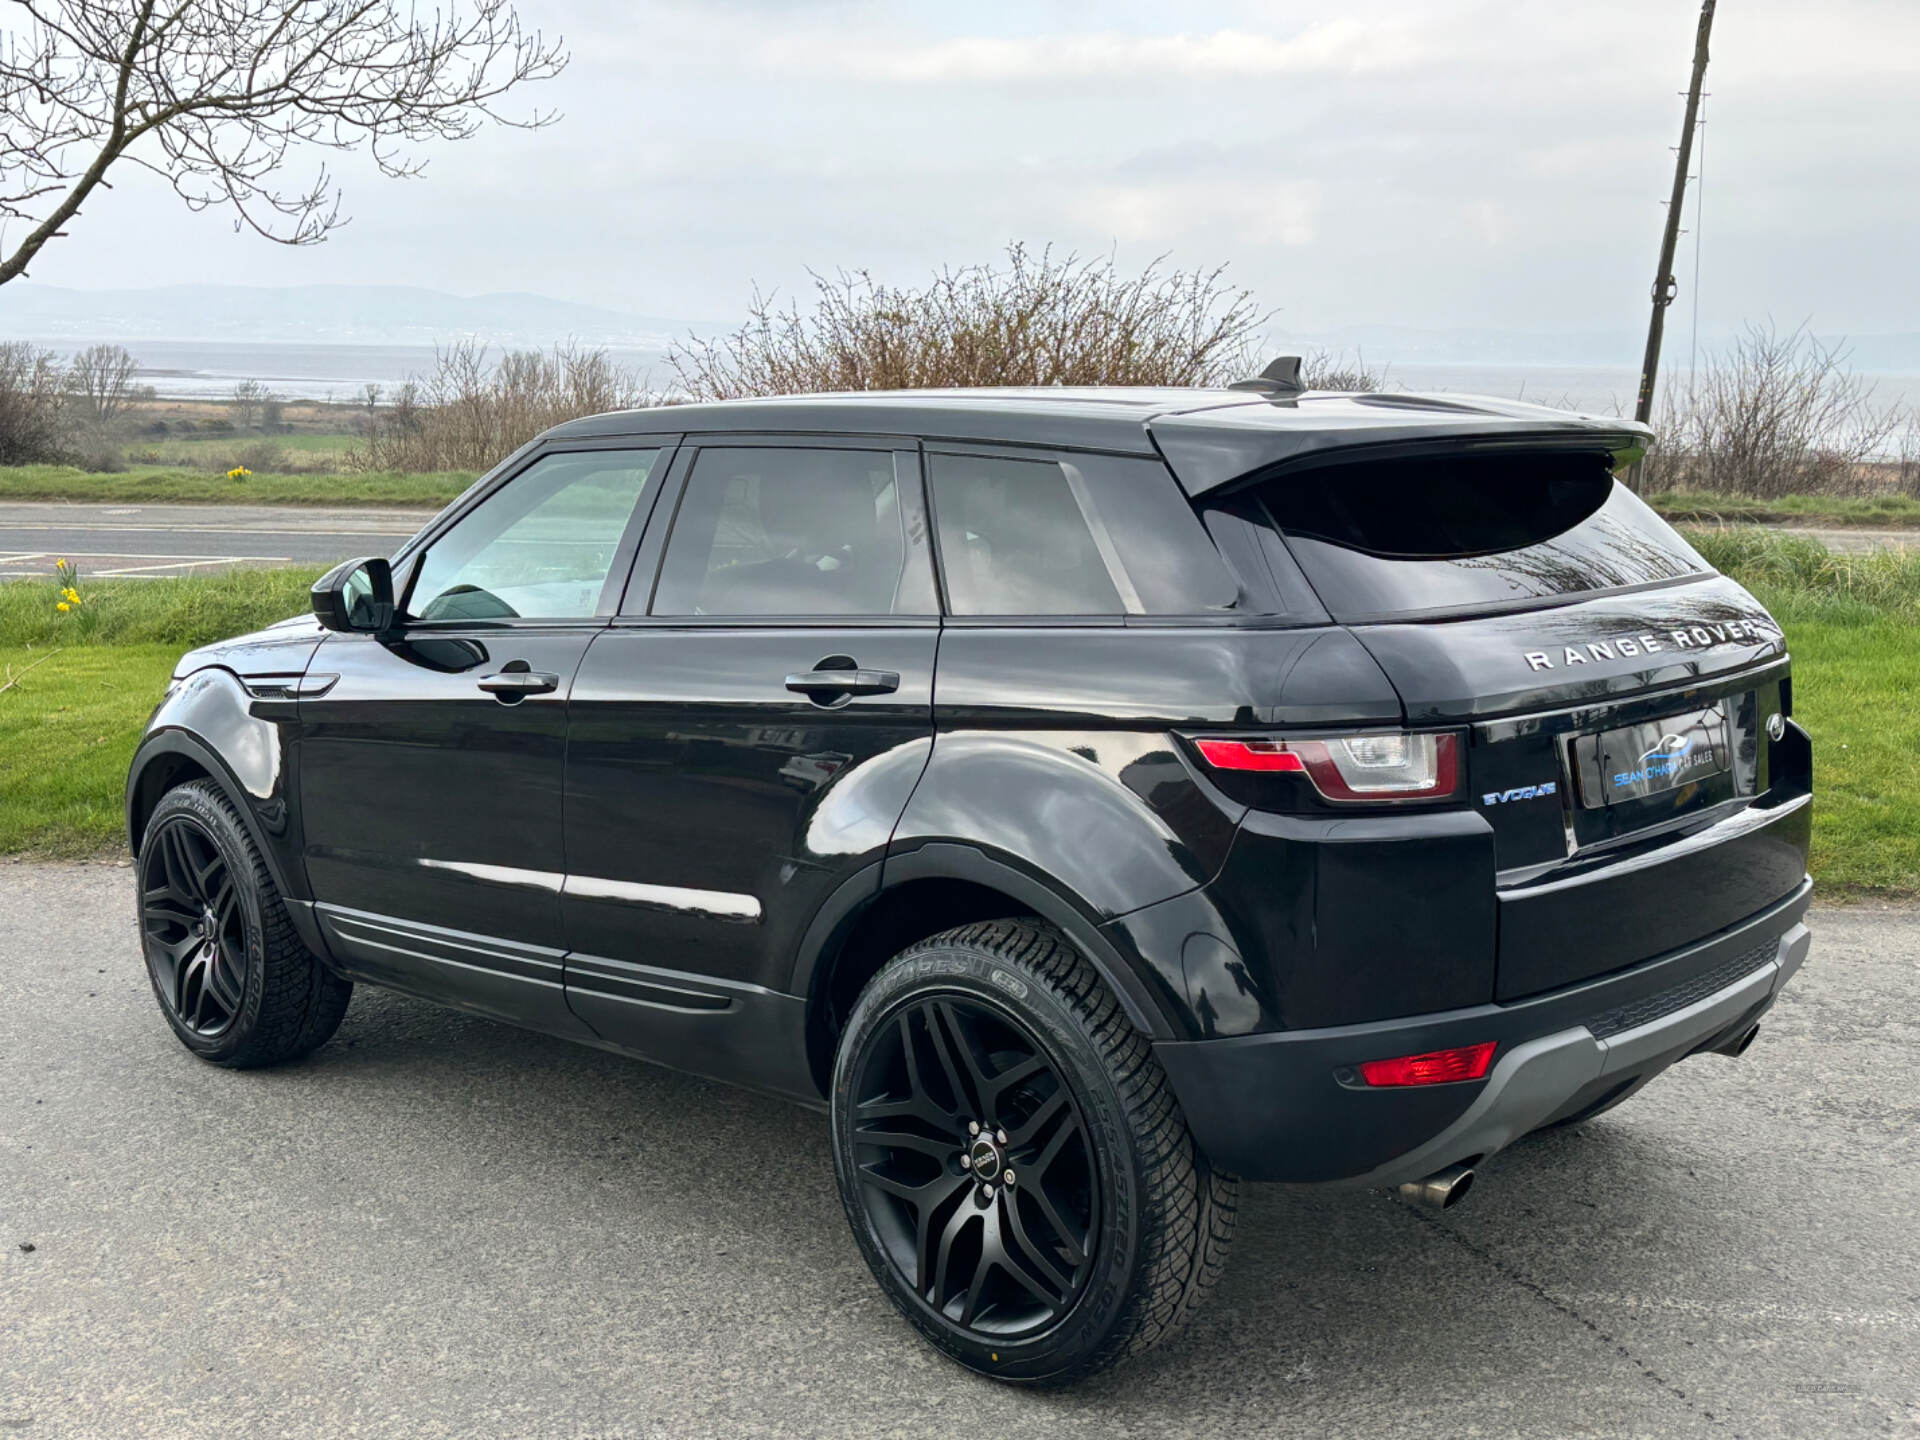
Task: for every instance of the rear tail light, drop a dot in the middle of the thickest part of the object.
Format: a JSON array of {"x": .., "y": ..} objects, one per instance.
[
  {"x": 1435, "y": 1067},
  {"x": 1379, "y": 766}
]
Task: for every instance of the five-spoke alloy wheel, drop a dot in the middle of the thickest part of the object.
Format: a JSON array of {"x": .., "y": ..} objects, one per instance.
[{"x": 1012, "y": 1160}]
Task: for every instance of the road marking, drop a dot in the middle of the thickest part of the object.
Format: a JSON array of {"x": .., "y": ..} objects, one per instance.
[
  {"x": 137, "y": 570},
  {"x": 146, "y": 555},
  {"x": 192, "y": 530}
]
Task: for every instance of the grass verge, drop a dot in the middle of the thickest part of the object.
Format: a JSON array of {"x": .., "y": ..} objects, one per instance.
[
  {"x": 1880, "y": 512},
  {"x": 182, "y": 613},
  {"x": 67, "y": 732},
  {"x": 165, "y": 485}
]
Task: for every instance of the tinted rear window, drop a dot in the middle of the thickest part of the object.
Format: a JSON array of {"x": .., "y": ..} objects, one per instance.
[
  {"x": 1086, "y": 534},
  {"x": 1400, "y": 538}
]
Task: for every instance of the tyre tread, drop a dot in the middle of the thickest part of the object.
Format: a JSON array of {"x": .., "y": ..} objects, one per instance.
[
  {"x": 301, "y": 1001},
  {"x": 1189, "y": 1210}
]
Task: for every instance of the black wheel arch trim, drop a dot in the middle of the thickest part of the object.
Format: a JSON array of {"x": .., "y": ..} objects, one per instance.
[
  {"x": 174, "y": 741},
  {"x": 948, "y": 860}
]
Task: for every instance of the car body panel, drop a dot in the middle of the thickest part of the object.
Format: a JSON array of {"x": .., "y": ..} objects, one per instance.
[{"x": 432, "y": 809}]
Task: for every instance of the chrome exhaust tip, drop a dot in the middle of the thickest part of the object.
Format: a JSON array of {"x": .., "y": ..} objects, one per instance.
[{"x": 1440, "y": 1191}]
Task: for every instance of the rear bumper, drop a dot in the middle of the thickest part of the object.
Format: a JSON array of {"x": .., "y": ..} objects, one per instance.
[{"x": 1286, "y": 1106}]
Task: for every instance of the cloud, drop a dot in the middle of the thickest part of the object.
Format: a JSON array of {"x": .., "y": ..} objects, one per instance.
[
  {"x": 1225, "y": 213},
  {"x": 1342, "y": 45}
]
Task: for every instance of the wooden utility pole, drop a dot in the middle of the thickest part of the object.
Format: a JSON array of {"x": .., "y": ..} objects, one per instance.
[{"x": 1665, "y": 287}]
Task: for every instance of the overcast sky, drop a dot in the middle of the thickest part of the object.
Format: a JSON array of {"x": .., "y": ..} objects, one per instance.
[{"x": 1431, "y": 163}]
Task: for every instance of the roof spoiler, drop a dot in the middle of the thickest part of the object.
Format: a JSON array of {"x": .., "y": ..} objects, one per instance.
[{"x": 1282, "y": 377}]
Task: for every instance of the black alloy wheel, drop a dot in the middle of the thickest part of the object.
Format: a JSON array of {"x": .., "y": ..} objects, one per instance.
[
  {"x": 1013, "y": 1161},
  {"x": 237, "y": 984},
  {"x": 975, "y": 1169},
  {"x": 194, "y": 927}
]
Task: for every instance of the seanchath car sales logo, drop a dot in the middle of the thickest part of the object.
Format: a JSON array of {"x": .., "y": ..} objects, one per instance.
[
  {"x": 1692, "y": 637},
  {"x": 1671, "y": 756}
]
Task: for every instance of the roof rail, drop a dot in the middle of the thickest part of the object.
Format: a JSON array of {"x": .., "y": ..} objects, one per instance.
[{"x": 1282, "y": 377}]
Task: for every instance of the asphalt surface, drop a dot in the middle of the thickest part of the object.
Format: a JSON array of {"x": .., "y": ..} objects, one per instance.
[
  {"x": 150, "y": 541},
  {"x": 437, "y": 1226}
]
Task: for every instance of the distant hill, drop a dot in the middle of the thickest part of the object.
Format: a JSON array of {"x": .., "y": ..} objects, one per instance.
[{"x": 331, "y": 314}]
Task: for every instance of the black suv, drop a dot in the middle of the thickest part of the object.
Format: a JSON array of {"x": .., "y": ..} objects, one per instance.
[{"x": 1090, "y": 797}]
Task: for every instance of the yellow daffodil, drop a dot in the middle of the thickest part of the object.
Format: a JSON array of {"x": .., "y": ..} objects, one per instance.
[{"x": 63, "y": 607}]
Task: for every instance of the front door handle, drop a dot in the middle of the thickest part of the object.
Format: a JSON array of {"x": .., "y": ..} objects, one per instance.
[
  {"x": 511, "y": 685},
  {"x": 816, "y": 683}
]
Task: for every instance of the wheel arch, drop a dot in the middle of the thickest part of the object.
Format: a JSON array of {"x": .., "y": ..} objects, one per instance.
[{"x": 907, "y": 898}]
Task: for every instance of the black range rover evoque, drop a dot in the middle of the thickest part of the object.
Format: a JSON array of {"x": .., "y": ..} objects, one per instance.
[{"x": 1092, "y": 798}]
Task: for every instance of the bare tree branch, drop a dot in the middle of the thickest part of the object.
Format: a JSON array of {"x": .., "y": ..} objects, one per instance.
[{"x": 216, "y": 95}]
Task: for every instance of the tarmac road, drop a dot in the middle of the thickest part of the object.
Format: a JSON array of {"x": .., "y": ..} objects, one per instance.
[
  {"x": 149, "y": 541},
  {"x": 438, "y": 1226}
]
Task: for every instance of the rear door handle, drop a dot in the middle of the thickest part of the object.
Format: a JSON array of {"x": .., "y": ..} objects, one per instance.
[
  {"x": 845, "y": 682},
  {"x": 518, "y": 684}
]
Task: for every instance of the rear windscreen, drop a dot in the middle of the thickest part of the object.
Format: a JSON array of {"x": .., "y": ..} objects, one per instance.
[{"x": 1397, "y": 538}]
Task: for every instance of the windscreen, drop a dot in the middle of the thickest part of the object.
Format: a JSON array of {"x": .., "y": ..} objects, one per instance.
[{"x": 1398, "y": 538}]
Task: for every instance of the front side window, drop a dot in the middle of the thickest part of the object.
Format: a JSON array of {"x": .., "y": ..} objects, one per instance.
[
  {"x": 768, "y": 532},
  {"x": 538, "y": 548}
]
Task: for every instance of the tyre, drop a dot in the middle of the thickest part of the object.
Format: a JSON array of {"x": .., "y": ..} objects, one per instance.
[
  {"x": 1012, "y": 1160},
  {"x": 230, "y": 973}
]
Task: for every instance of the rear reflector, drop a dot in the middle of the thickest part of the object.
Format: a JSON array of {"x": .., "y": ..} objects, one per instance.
[
  {"x": 1251, "y": 755},
  {"x": 1379, "y": 765},
  {"x": 1435, "y": 1067}
]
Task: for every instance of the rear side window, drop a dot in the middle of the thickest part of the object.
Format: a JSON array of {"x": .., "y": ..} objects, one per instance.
[
  {"x": 769, "y": 532},
  {"x": 1403, "y": 537},
  {"x": 1082, "y": 535}
]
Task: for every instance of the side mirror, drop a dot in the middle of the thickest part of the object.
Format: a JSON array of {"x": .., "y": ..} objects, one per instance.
[{"x": 357, "y": 595}]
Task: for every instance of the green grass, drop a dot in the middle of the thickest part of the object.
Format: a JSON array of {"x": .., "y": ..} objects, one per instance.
[
  {"x": 1885, "y": 512},
  {"x": 181, "y": 613},
  {"x": 158, "y": 484},
  {"x": 1853, "y": 686},
  {"x": 196, "y": 445},
  {"x": 67, "y": 732},
  {"x": 1811, "y": 581}
]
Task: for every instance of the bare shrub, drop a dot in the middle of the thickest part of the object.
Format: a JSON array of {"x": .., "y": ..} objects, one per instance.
[
  {"x": 470, "y": 413},
  {"x": 1332, "y": 370},
  {"x": 32, "y": 425},
  {"x": 100, "y": 382},
  {"x": 1906, "y": 467},
  {"x": 262, "y": 456},
  {"x": 1781, "y": 414},
  {"x": 1034, "y": 321},
  {"x": 248, "y": 398}
]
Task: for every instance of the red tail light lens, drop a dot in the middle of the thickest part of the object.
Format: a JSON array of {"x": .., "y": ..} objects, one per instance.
[
  {"x": 1435, "y": 1067},
  {"x": 1386, "y": 765}
]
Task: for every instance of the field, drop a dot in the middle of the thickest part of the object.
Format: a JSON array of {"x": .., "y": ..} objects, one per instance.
[
  {"x": 161, "y": 484},
  {"x": 1880, "y": 512},
  {"x": 68, "y": 726}
]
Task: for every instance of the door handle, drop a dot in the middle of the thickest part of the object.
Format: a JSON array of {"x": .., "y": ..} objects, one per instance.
[
  {"x": 844, "y": 682},
  {"x": 513, "y": 685}
]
